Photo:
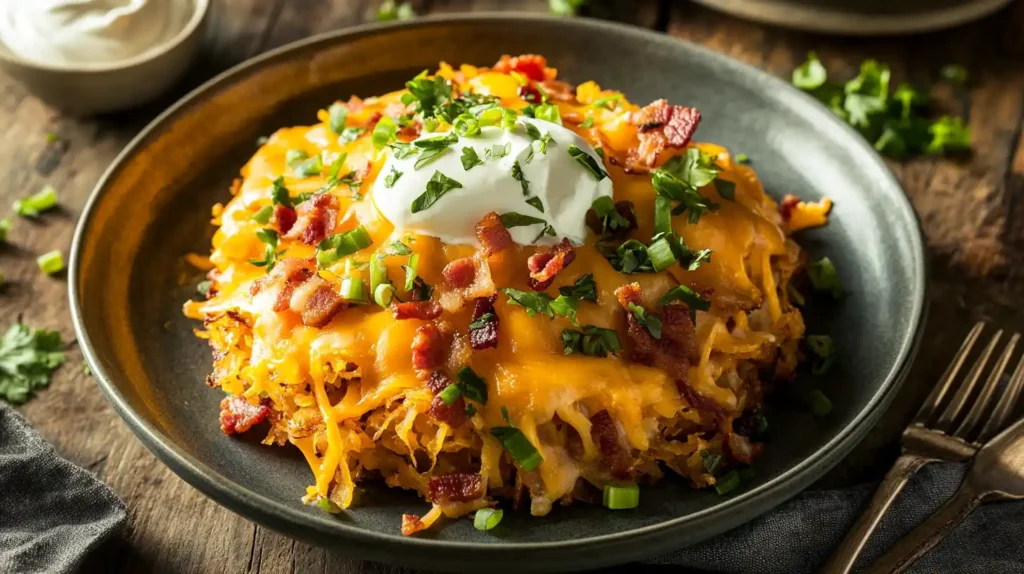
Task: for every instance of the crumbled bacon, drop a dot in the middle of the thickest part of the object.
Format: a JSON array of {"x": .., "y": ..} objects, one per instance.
[
  {"x": 460, "y": 273},
  {"x": 394, "y": 110},
  {"x": 492, "y": 234},
  {"x": 741, "y": 449},
  {"x": 625, "y": 209},
  {"x": 455, "y": 487},
  {"x": 532, "y": 66},
  {"x": 545, "y": 265},
  {"x": 238, "y": 415},
  {"x": 317, "y": 302},
  {"x": 372, "y": 122},
  {"x": 661, "y": 125},
  {"x": 530, "y": 94},
  {"x": 411, "y": 524},
  {"x": 559, "y": 91},
  {"x": 676, "y": 348},
  {"x": 288, "y": 274},
  {"x": 354, "y": 104},
  {"x": 787, "y": 205},
  {"x": 614, "y": 453},
  {"x": 284, "y": 218},
  {"x": 700, "y": 402},
  {"x": 427, "y": 347},
  {"x": 425, "y": 310},
  {"x": 438, "y": 382},
  {"x": 481, "y": 286},
  {"x": 317, "y": 217},
  {"x": 410, "y": 131},
  {"x": 485, "y": 334},
  {"x": 453, "y": 414}
]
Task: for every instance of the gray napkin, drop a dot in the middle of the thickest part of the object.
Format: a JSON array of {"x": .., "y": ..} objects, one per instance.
[
  {"x": 51, "y": 512},
  {"x": 799, "y": 535}
]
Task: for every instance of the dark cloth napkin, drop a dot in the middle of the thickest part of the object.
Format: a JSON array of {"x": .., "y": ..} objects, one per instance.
[
  {"x": 800, "y": 534},
  {"x": 52, "y": 513}
]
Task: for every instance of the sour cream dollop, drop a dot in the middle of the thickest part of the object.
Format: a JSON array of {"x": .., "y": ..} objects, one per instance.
[
  {"x": 69, "y": 32},
  {"x": 562, "y": 185}
]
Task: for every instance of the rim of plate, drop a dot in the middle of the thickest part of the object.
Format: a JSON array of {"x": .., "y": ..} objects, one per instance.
[{"x": 257, "y": 507}]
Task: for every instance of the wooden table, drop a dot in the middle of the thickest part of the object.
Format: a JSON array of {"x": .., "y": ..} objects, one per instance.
[{"x": 972, "y": 213}]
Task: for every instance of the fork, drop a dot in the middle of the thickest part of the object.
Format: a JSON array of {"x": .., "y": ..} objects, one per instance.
[{"x": 931, "y": 439}]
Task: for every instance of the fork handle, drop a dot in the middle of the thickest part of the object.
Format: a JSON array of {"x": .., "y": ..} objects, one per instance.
[
  {"x": 845, "y": 555},
  {"x": 930, "y": 532}
]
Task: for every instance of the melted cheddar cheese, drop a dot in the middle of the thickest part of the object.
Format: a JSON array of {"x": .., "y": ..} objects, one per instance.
[{"x": 347, "y": 394}]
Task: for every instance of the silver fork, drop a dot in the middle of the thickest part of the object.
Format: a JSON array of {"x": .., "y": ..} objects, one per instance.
[{"x": 930, "y": 439}]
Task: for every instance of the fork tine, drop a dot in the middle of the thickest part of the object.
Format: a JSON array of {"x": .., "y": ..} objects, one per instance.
[
  {"x": 1004, "y": 408},
  {"x": 964, "y": 392},
  {"x": 939, "y": 392},
  {"x": 981, "y": 403}
]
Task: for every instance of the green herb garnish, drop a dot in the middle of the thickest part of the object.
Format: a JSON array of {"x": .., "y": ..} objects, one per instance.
[
  {"x": 392, "y": 177},
  {"x": 337, "y": 114},
  {"x": 591, "y": 341},
  {"x": 27, "y": 358},
  {"x": 438, "y": 185},
  {"x": 584, "y": 288},
  {"x": 270, "y": 254},
  {"x": 470, "y": 159},
  {"x": 513, "y": 219},
  {"x": 588, "y": 162},
  {"x": 517, "y": 174}
]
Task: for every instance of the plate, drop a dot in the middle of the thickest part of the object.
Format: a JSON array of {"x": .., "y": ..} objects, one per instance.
[
  {"x": 153, "y": 205},
  {"x": 860, "y": 17}
]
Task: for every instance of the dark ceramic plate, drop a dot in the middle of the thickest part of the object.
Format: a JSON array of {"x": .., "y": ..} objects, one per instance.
[
  {"x": 153, "y": 205},
  {"x": 860, "y": 17}
]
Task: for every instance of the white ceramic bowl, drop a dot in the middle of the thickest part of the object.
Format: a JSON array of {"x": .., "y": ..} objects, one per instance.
[{"x": 97, "y": 88}]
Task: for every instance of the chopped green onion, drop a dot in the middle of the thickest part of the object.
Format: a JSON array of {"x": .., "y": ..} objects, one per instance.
[
  {"x": 824, "y": 277},
  {"x": 450, "y": 394},
  {"x": 384, "y": 294},
  {"x": 308, "y": 167},
  {"x": 410, "y": 271},
  {"x": 621, "y": 497},
  {"x": 328, "y": 505},
  {"x": 337, "y": 114},
  {"x": 51, "y": 262},
  {"x": 294, "y": 156},
  {"x": 487, "y": 518},
  {"x": 516, "y": 443},
  {"x": 819, "y": 404},
  {"x": 795, "y": 295},
  {"x": 608, "y": 102},
  {"x": 352, "y": 289},
  {"x": 5, "y": 226},
  {"x": 588, "y": 122},
  {"x": 341, "y": 245},
  {"x": 728, "y": 483},
  {"x": 383, "y": 132},
  {"x": 263, "y": 215},
  {"x": 662, "y": 215},
  {"x": 811, "y": 74},
  {"x": 466, "y": 125},
  {"x": 378, "y": 274},
  {"x": 37, "y": 203},
  {"x": 711, "y": 461},
  {"x": 548, "y": 113},
  {"x": 742, "y": 158},
  {"x": 821, "y": 345},
  {"x": 203, "y": 287},
  {"x": 660, "y": 253}
]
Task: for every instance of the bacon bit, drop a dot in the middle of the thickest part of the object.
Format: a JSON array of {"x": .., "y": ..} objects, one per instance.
[
  {"x": 530, "y": 94},
  {"x": 485, "y": 336},
  {"x": 699, "y": 402},
  {"x": 438, "y": 382},
  {"x": 453, "y": 415},
  {"x": 411, "y": 524},
  {"x": 741, "y": 449},
  {"x": 288, "y": 274},
  {"x": 615, "y": 454},
  {"x": 560, "y": 91},
  {"x": 394, "y": 110},
  {"x": 460, "y": 273},
  {"x": 355, "y": 105},
  {"x": 284, "y": 218},
  {"x": 322, "y": 305},
  {"x": 238, "y": 415},
  {"x": 677, "y": 347},
  {"x": 532, "y": 66},
  {"x": 482, "y": 286},
  {"x": 427, "y": 347},
  {"x": 372, "y": 122},
  {"x": 625, "y": 209},
  {"x": 661, "y": 125},
  {"x": 492, "y": 234},
  {"x": 317, "y": 217},
  {"x": 544, "y": 266},
  {"x": 787, "y": 205},
  {"x": 411, "y": 131},
  {"x": 425, "y": 310},
  {"x": 455, "y": 487}
]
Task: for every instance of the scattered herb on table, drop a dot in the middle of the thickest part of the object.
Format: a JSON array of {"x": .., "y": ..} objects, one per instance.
[
  {"x": 390, "y": 10},
  {"x": 27, "y": 358}
]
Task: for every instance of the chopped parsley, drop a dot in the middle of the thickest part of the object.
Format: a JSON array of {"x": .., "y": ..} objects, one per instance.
[
  {"x": 427, "y": 95},
  {"x": 611, "y": 220},
  {"x": 540, "y": 303},
  {"x": 583, "y": 288},
  {"x": 396, "y": 247},
  {"x": 513, "y": 219},
  {"x": 470, "y": 159},
  {"x": 896, "y": 122},
  {"x": 392, "y": 177},
  {"x": 589, "y": 163},
  {"x": 517, "y": 174},
  {"x": 279, "y": 193},
  {"x": 438, "y": 185},
  {"x": 592, "y": 341},
  {"x": 649, "y": 321},
  {"x": 332, "y": 178},
  {"x": 402, "y": 150},
  {"x": 270, "y": 252},
  {"x": 536, "y": 203},
  {"x": 681, "y": 177},
  {"x": 27, "y": 358},
  {"x": 543, "y": 142},
  {"x": 693, "y": 300},
  {"x": 433, "y": 148}
]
